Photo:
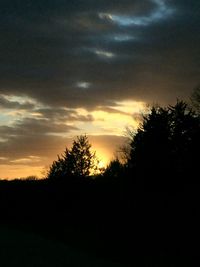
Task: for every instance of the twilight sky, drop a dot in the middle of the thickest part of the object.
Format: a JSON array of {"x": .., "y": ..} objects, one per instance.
[{"x": 76, "y": 67}]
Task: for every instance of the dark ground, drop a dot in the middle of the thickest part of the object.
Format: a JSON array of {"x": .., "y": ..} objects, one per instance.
[{"x": 98, "y": 223}]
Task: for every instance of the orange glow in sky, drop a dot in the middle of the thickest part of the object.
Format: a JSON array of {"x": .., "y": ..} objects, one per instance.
[{"x": 105, "y": 132}]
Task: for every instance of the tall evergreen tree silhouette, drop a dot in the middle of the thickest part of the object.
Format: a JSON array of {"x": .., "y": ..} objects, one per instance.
[
  {"x": 166, "y": 143},
  {"x": 79, "y": 161}
]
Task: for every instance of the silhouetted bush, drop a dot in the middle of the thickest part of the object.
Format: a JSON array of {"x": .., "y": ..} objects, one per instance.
[{"x": 115, "y": 169}]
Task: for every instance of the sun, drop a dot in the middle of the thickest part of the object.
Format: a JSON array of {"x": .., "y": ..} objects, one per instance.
[{"x": 101, "y": 164}]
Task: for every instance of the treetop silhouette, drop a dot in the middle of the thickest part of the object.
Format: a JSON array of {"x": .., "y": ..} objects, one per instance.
[
  {"x": 167, "y": 141},
  {"x": 79, "y": 161}
]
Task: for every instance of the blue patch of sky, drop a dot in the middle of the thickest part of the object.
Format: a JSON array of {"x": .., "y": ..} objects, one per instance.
[
  {"x": 161, "y": 12},
  {"x": 4, "y": 119}
]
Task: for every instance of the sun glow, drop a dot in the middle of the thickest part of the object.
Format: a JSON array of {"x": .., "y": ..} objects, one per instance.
[
  {"x": 106, "y": 123},
  {"x": 101, "y": 164},
  {"x": 112, "y": 120},
  {"x": 20, "y": 171}
]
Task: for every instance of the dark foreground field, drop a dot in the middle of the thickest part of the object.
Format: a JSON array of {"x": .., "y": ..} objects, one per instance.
[
  {"x": 19, "y": 248},
  {"x": 97, "y": 224}
]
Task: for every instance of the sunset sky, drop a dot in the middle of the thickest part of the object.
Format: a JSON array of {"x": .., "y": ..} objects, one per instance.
[{"x": 88, "y": 67}]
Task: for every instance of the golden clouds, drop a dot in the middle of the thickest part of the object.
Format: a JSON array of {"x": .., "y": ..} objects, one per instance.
[
  {"x": 20, "y": 171},
  {"x": 34, "y": 138},
  {"x": 114, "y": 119}
]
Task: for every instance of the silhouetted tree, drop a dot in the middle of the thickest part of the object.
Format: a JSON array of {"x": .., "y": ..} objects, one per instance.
[
  {"x": 166, "y": 142},
  {"x": 57, "y": 169},
  {"x": 31, "y": 178},
  {"x": 79, "y": 161},
  {"x": 115, "y": 169}
]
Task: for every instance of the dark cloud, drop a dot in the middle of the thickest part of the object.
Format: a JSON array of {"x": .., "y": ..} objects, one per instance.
[
  {"x": 45, "y": 150},
  {"x": 29, "y": 138},
  {"x": 25, "y": 146},
  {"x": 62, "y": 115},
  {"x": 113, "y": 110},
  {"x": 6, "y": 104},
  {"x": 47, "y": 48},
  {"x": 35, "y": 127},
  {"x": 64, "y": 55}
]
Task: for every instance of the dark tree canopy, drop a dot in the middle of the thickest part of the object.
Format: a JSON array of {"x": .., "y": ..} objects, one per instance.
[
  {"x": 167, "y": 142},
  {"x": 79, "y": 161},
  {"x": 115, "y": 169}
]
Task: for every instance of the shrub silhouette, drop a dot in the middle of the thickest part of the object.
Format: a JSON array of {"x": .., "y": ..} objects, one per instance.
[
  {"x": 115, "y": 169},
  {"x": 79, "y": 161}
]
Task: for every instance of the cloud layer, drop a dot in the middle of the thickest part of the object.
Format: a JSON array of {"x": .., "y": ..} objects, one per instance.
[
  {"x": 139, "y": 49},
  {"x": 62, "y": 62}
]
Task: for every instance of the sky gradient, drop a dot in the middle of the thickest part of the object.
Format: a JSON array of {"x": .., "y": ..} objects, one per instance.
[{"x": 88, "y": 67}]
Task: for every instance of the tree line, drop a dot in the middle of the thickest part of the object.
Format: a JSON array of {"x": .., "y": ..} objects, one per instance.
[
  {"x": 143, "y": 207},
  {"x": 165, "y": 147}
]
